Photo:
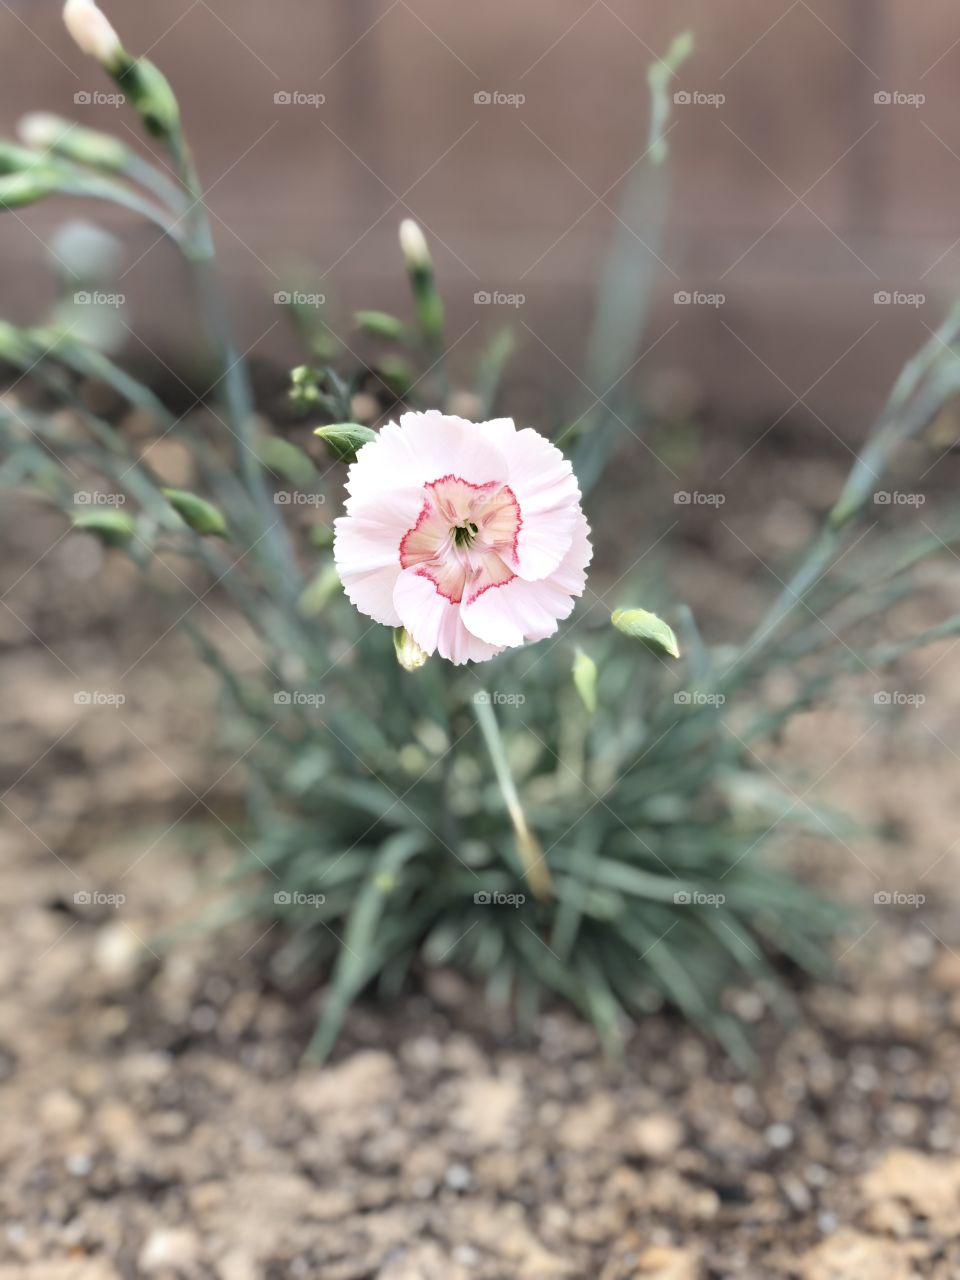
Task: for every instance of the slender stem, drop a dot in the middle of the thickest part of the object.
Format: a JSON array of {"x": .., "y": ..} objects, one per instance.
[
  {"x": 117, "y": 193},
  {"x": 156, "y": 182},
  {"x": 532, "y": 860},
  {"x": 914, "y": 402},
  {"x": 238, "y": 398}
]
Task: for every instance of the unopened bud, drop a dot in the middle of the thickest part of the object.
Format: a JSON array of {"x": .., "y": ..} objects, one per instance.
[
  {"x": 17, "y": 189},
  {"x": 40, "y": 129},
  {"x": 149, "y": 93},
  {"x": 420, "y": 270},
  {"x": 414, "y": 244},
  {"x": 409, "y": 654},
  {"x": 45, "y": 132},
  {"x": 92, "y": 31}
]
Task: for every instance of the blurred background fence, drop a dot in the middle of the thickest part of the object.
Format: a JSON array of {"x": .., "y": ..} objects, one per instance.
[{"x": 816, "y": 163}]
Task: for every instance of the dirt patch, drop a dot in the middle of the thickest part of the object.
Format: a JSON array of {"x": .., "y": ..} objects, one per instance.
[{"x": 159, "y": 1121}]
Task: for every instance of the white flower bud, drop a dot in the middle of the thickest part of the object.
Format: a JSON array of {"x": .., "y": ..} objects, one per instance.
[
  {"x": 409, "y": 654},
  {"x": 92, "y": 30},
  {"x": 40, "y": 130},
  {"x": 414, "y": 244}
]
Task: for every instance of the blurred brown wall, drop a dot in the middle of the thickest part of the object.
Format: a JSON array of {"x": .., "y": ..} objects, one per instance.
[{"x": 798, "y": 198}]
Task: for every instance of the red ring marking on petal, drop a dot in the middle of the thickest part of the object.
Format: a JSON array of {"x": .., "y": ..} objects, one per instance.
[{"x": 462, "y": 569}]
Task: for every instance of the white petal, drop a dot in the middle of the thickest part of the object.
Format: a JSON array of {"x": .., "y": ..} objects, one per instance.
[
  {"x": 571, "y": 573},
  {"x": 520, "y": 610},
  {"x": 366, "y": 549},
  {"x": 543, "y": 482},
  {"x": 435, "y": 622},
  {"x": 422, "y": 448}
]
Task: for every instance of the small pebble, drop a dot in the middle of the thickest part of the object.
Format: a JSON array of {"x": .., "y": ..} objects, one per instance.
[
  {"x": 80, "y": 1165},
  {"x": 779, "y": 1136},
  {"x": 458, "y": 1177}
]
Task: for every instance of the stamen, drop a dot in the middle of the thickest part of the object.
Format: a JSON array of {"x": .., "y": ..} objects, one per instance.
[{"x": 463, "y": 535}]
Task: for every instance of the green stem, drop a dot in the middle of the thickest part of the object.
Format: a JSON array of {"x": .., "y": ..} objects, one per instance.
[
  {"x": 200, "y": 253},
  {"x": 535, "y": 869}
]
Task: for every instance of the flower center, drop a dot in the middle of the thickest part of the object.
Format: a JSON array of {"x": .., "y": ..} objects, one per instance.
[
  {"x": 465, "y": 538},
  {"x": 464, "y": 534}
]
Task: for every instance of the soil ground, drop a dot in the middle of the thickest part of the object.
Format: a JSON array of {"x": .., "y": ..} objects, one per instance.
[{"x": 158, "y": 1120}]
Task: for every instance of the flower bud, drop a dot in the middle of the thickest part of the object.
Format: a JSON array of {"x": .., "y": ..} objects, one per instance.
[
  {"x": 17, "y": 189},
  {"x": 92, "y": 31},
  {"x": 420, "y": 270},
  {"x": 42, "y": 131},
  {"x": 413, "y": 243},
  {"x": 585, "y": 679},
  {"x": 346, "y": 438},
  {"x": 648, "y": 629},
  {"x": 409, "y": 654},
  {"x": 380, "y": 324},
  {"x": 202, "y": 516},
  {"x": 113, "y": 528},
  {"x": 150, "y": 95}
]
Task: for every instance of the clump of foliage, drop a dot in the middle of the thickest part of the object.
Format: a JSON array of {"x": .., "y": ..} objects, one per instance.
[{"x": 576, "y": 818}]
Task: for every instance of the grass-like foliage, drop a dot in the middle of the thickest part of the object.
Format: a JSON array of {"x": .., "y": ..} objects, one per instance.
[{"x": 587, "y": 818}]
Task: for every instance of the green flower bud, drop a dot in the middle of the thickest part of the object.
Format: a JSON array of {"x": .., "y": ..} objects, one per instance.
[
  {"x": 648, "y": 628},
  {"x": 585, "y": 680},
  {"x": 149, "y": 93},
  {"x": 18, "y": 189},
  {"x": 381, "y": 324},
  {"x": 305, "y": 387},
  {"x": 202, "y": 516},
  {"x": 345, "y": 438},
  {"x": 113, "y": 528}
]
